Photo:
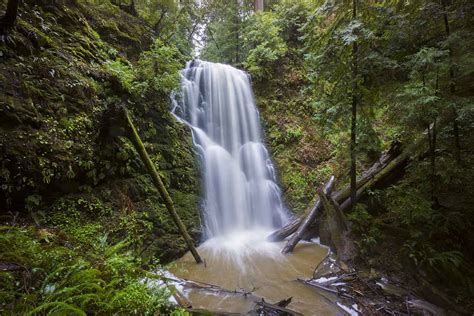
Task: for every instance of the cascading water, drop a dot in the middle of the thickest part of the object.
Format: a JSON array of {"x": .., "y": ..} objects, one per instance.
[
  {"x": 241, "y": 193},
  {"x": 242, "y": 202}
]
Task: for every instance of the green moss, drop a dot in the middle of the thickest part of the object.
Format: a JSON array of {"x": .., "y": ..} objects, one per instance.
[{"x": 50, "y": 128}]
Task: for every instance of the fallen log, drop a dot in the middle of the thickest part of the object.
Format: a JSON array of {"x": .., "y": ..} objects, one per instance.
[
  {"x": 180, "y": 298},
  {"x": 212, "y": 287},
  {"x": 325, "y": 288},
  {"x": 365, "y": 177},
  {"x": 374, "y": 178},
  {"x": 340, "y": 242},
  {"x": 285, "y": 231},
  {"x": 308, "y": 220},
  {"x": 383, "y": 166}
]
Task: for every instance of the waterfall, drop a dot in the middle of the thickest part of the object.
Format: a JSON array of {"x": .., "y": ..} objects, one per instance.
[{"x": 240, "y": 190}]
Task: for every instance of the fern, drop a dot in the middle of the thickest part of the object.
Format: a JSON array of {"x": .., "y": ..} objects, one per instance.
[
  {"x": 106, "y": 280},
  {"x": 58, "y": 308}
]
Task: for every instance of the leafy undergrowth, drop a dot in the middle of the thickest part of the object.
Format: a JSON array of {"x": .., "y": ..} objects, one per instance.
[
  {"x": 50, "y": 273},
  {"x": 402, "y": 233}
]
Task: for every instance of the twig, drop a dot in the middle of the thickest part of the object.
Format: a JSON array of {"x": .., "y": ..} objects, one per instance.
[{"x": 317, "y": 267}]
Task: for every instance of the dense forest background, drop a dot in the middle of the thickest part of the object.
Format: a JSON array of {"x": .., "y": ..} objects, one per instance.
[{"x": 337, "y": 83}]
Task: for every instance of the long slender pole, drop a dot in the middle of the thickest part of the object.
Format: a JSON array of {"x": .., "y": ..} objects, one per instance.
[{"x": 132, "y": 134}]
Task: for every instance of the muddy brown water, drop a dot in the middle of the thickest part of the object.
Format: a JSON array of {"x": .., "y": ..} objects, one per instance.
[{"x": 267, "y": 273}]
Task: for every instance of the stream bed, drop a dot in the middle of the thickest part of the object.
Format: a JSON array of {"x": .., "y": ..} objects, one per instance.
[{"x": 250, "y": 264}]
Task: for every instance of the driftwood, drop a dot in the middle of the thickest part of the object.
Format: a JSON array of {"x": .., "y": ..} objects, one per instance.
[
  {"x": 382, "y": 167},
  {"x": 261, "y": 307},
  {"x": 212, "y": 288},
  {"x": 307, "y": 220},
  {"x": 327, "y": 289},
  {"x": 180, "y": 298}
]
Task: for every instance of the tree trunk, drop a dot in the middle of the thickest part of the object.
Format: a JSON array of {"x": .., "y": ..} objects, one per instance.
[
  {"x": 8, "y": 20},
  {"x": 258, "y": 5},
  {"x": 265, "y": 308},
  {"x": 452, "y": 85},
  {"x": 237, "y": 34},
  {"x": 354, "y": 112},
  {"x": 433, "y": 162},
  {"x": 339, "y": 235},
  {"x": 132, "y": 134},
  {"x": 304, "y": 225}
]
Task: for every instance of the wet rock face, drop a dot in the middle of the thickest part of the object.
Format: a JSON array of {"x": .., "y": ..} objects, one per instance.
[{"x": 62, "y": 67}]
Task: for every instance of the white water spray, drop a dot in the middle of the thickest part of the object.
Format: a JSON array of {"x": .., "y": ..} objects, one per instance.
[{"x": 241, "y": 194}]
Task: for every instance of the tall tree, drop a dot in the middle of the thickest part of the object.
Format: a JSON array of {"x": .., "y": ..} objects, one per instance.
[
  {"x": 354, "y": 113},
  {"x": 452, "y": 84},
  {"x": 258, "y": 5}
]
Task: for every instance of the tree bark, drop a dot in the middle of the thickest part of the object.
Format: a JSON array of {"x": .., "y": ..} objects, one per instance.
[
  {"x": 308, "y": 220},
  {"x": 258, "y": 5},
  {"x": 265, "y": 308},
  {"x": 132, "y": 134},
  {"x": 433, "y": 161},
  {"x": 9, "y": 18}
]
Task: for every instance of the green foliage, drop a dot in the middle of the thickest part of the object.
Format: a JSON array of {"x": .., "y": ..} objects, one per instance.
[
  {"x": 59, "y": 280},
  {"x": 224, "y": 31},
  {"x": 263, "y": 41},
  {"x": 369, "y": 233},
  {"x": 424, "y": 227},
  {"x": 411, "y": 73},
  {"x": 293, "y": 133},
  {"x": 159, "y": 68},
  {"x": 124, "y": 72}
]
